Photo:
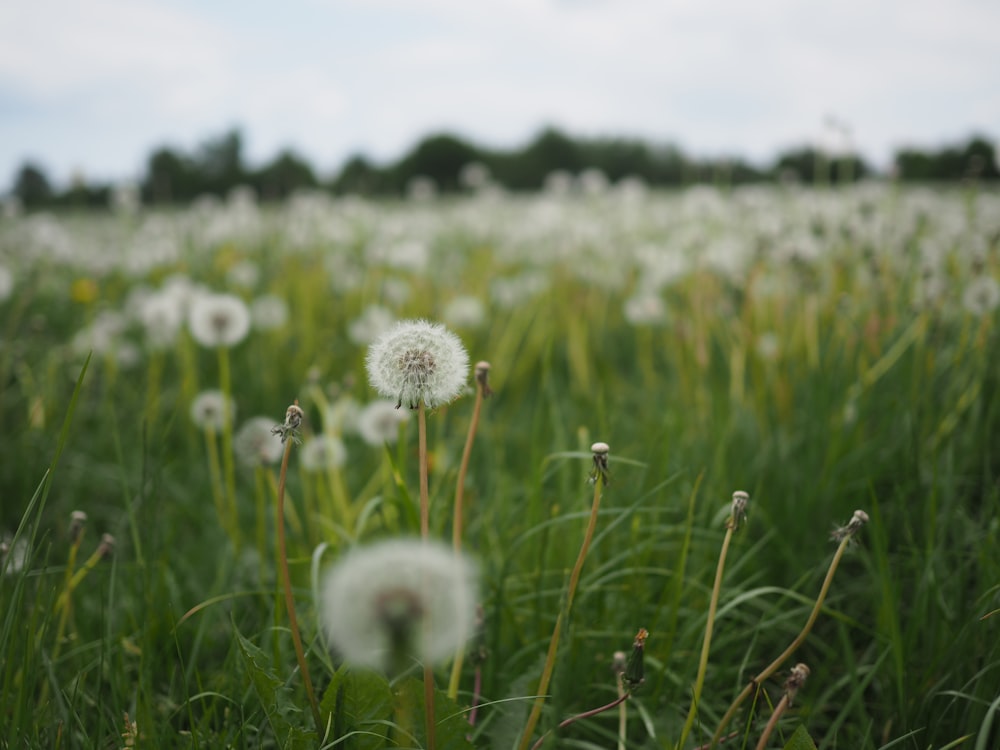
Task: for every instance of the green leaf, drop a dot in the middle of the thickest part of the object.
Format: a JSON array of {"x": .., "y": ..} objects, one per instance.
[
  {"x": 800, "y": 740},
  {"x": 276, "y": 697},
  {"x": 361, "y": 705},
  {"x": 451, "y": 724}
]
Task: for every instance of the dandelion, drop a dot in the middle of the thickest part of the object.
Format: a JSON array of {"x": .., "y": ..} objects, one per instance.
[
  {"x": 378, "y": 423},
  {"x": 373, "y": 322},
  {"x": 212, "y": 410},
  {"x": 161, "y": 316},
  {"x": 859, "y": 519},
  {"x": 219, "y": 320},
  {"x": 464, "y": 312},
  {"x": 397, "y": 599},
  {"x": 255, "y": 444},
  {"x": 645, "y": 308},
  {"x": 269, "y": 312},
  {"x": 323, "y": 453},
  {"x": 418, "y": 361},
  {"x": 981, "y": 296}
]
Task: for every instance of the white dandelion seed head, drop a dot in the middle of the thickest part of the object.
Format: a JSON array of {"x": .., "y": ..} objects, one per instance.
[
  {"x": 464, "y": 312},
  {"x": 255, "y": 443},
  {"x": 212, "y": 410},
  {"x": 981, "y": 296},
  {"x": 378, "y": 423},
  {"x": 6, "y": 283},
  {"x": 323, "y": 453},
  {"x": 372, "y": 323},
  {"x": 161, "y": 317},
  {"x": 219, "y": 320},
  {"x": 418, "y": 361},
  {"x": 399, "y": 593},
  {"x": 269, "y": 312}
]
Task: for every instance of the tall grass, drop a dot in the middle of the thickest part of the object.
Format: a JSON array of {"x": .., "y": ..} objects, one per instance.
[{"x": 818, "y": 349}]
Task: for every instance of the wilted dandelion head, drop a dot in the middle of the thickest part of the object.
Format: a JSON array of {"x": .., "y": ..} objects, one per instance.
[
  {"x": 399, "y": 599},
  {"x": 219, "y": 320},
  {"x": 256, "y": 443},
  {"x": 378, "y": 423},
  {"x": 323, "y": 453},
  {"x": 418, "y": 361},
  {"x": 859, "y": 519},
  {"x": 212, "y": 410}
]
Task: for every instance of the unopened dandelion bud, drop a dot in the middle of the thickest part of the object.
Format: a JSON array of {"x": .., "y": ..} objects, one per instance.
[
  {"x": 482, "y": 377},
  {"x": 796, "y": 679},
  {"x": 739, "y": 509},
  {"x": 77, "y": 521},
  {"x": 634, "y": 673}
]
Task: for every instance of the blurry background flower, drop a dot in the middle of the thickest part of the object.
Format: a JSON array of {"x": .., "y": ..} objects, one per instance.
[
  {"x": 322, "y": 453},
  {"x": 218, "y": 320},
  {"x": 255, "y": 445},
  {"x": 209, "y": 410},
  {"x": 378, "y": 422},
  {"x": 981, "y": 296},
  {"x": 399, "y": 599},
  {"x": 372, "y": 323},
  {"x": 269, "y": 312},
  {"x": 464, "y": 312}
]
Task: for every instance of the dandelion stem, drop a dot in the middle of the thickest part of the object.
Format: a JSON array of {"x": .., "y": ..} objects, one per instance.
[
  {"x": 225, "y": 386},
  {"x": 706, "y": 645},
  {"x": 772, "y": 722},
  {"x": 619, "y": 701},
  {"x": 457, "y": 520},
  {"x": 622, "y": 713},
  {"x": 424, "y": 491},
  {"x": 574, "y": 578},
  {"x": 215, "y": 477},
  {"x": 425, "y": 535},
  {"x": 286, "y": 581},
  {"x": 773, "y": 666}
]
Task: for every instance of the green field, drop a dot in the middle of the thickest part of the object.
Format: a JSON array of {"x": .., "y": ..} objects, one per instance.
[{"x": 822, "y": 350}]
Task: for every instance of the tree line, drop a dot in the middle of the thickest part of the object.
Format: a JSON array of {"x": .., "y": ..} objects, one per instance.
[{"x": 172, "y": 176}]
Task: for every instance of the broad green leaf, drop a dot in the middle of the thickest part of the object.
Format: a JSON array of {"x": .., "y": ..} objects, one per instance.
[
  {"x": 360, "y": 702},
  {"x": 285, "y": 717},
  {"x": 800, "y": 740},
  {"x": 451, "y": 725}
]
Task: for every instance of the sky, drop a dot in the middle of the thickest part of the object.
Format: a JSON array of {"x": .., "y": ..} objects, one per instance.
[{"x": 91, "y": 87}]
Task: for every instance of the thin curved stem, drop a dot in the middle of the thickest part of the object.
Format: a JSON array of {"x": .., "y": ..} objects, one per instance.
[
  {"x": 773, "y": 666},
  {"x": 550, "y": 657}
]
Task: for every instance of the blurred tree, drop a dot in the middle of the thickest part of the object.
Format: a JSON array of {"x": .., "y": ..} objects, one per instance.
[
  {"x": 358, "y": 176},
  {"x": 219, "y": 162},
  {"x": 31, "y": 186},
  {"x": 440, "y": 157},
  {"x": 286, "y": 174},
  {"x": 170, "y": 177},
  {"x": 974, "y": 160}
]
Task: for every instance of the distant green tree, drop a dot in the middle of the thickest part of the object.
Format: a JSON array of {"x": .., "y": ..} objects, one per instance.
[
  {"x": 219, "y": 162},
  {"x": 358, "y": 176},
  {"x": 976, "y": 159},
  {"x": 285, "y": 174},
  {"x": 32, "y": 186},
  {"x": 440, "y": 157},
  {"x": 811, "y": 165},
  {"x": 170, "y": 178}
]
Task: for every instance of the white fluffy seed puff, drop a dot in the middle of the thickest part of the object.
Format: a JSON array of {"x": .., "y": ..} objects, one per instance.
[
  {"x": 390, "y": 602},
  {"x": 416, "y": 361}
]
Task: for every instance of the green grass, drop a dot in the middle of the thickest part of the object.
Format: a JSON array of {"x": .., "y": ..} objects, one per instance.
[{"x": 819, "y": 381}]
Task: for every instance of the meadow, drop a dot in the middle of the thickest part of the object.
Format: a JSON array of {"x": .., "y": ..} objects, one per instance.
[{"x": 822, "y": 350}]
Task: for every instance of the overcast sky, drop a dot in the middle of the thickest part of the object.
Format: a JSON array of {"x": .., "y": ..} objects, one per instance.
[{"x": 94, "y": 85}]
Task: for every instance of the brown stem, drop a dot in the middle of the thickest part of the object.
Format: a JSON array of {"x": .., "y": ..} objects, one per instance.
[
  {"x": 773, "y": 722},
  {"x": 585, "y": 715}
]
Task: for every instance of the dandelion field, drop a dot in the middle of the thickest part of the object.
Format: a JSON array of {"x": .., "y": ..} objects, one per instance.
[{"x": 822, "y": 350}]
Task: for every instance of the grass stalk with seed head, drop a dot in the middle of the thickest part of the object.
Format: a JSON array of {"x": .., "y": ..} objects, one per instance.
[
  {"x": 482, "y": 391},
  {"x": 293, "y": 418},
  {"x": 600, "y": 478},
  {"x": 736, "y": 517},
  {"x": 844, "y": 535}
]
